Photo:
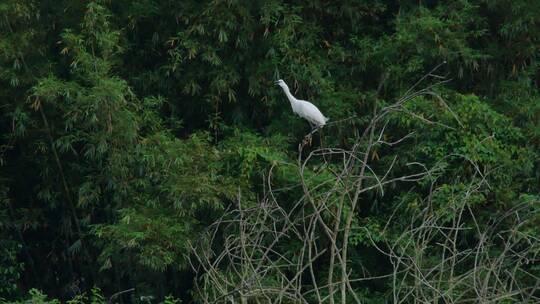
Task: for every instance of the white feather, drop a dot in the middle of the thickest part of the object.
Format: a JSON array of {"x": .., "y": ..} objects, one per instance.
[{"x": 303, "y": 108}]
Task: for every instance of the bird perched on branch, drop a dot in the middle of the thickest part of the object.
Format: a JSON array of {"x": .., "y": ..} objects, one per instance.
[{"x": 304, "y": 109}]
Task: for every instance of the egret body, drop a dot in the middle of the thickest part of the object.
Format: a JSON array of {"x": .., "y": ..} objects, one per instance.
[{"x": 304, "y": 109}]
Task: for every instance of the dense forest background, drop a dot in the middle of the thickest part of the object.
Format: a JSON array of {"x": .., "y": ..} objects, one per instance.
[{"x": 145, "y": 149}]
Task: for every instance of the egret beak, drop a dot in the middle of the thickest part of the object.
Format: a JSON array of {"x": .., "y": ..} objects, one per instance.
[{"x": 276, "y": 82}]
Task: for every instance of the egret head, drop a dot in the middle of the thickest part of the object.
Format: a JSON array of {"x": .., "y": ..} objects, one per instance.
[{"x": 281, "y": 83}]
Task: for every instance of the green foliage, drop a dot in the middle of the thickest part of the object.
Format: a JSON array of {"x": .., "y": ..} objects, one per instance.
[
  {"x": 128, "y": 127},
  {"x": 10, "y": 267},
  {"x": 38, "y": 297},
  {"x": 176, "y": 180}
]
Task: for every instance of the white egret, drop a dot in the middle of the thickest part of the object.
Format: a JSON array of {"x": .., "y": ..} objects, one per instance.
[{"x": 304, "y": 109}]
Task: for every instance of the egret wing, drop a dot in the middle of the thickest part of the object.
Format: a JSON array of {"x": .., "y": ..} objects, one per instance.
[{"x": 310, "y": 112}]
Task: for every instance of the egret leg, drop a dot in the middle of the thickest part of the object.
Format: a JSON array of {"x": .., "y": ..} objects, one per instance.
[
  {"x": 314, "y": 128},
  {"x": 306, "y": 141}
]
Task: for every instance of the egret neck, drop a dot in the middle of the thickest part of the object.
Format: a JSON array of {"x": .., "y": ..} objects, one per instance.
[{"x": 290, "y": 97}]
